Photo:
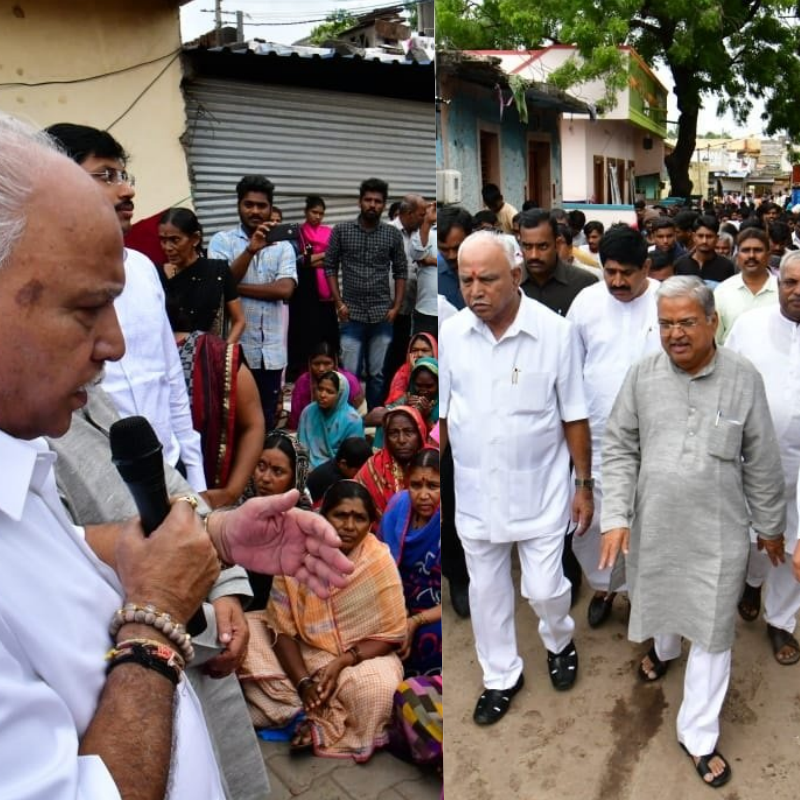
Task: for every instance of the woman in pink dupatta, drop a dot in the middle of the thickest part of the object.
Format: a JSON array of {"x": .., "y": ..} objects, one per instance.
[{"x": 312, "y": 314}]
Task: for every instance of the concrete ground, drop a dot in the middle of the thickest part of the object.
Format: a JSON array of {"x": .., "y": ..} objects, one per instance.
[
  {"x": 383, "y": 777},
  {"x": 612, "y": 737}
]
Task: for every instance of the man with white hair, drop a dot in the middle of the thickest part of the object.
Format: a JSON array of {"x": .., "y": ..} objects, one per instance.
[
  {"x": 513, "y": 410},
  {"x": 770, "y": 338},
  {"x": 690, "y": 462},
  {"x": 93, "y": 701}
]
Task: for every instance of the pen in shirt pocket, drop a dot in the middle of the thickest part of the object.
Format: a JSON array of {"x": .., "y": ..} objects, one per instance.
[{"x": 515, "y": 376}]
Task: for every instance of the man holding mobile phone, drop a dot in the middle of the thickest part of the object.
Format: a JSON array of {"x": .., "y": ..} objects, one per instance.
[{"x": 267, "y": 276}]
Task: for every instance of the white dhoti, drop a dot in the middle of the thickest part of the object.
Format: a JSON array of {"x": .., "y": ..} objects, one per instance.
[
  {"x": 705, "y": 685},
  {"x": 491, "y": 598}
]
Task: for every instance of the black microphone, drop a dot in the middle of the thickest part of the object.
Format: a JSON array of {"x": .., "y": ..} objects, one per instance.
[{"x": 136, "y": 453}]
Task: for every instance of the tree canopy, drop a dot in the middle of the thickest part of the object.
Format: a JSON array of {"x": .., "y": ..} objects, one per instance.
[
  {"x": 336, "y": 22},
  {"x": 722, "y": 51}
]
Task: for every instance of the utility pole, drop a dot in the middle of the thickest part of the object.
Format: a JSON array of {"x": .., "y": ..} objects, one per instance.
[
  {"x": 240, "y": 26},
  {"x": 218, "y": 21}
]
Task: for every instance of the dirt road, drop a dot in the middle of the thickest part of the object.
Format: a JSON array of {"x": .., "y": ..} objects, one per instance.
[{"x": 612, "y": 737}]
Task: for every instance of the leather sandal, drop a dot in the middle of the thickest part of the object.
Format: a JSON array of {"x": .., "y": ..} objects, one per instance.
[
  {"x": 600, "y": 609},
  {"x": 781, "y": 641},
  {"x": 494, "y": 703},
  {"x": 749, "y": 606},
  {"x": 657, "y": 671},
  {"x": 703, "y": 768},
  {"x": 563, "y": 667}
]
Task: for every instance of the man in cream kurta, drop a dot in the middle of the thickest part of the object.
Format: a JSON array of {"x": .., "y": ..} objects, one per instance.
[
  {"x": 770, "y": 338},
  {"x": 690, "y": 461},
  {"x": 617, "y": 324},
  {"x": 512, "y": 405}
]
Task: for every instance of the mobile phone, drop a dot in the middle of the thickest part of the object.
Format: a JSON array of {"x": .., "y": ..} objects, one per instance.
[{"x": 283, "y": 233}]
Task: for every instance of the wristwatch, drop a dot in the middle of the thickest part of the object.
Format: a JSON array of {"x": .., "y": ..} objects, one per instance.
[{"x": 584, "y": 483}]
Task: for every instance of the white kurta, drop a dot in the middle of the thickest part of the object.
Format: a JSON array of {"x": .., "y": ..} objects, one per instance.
[
  {"x": 148, "y": 380},
  {"x": 613, "y": 336},
  {"x": 772, "y": 343},
  {"x": 56, "y": 602},
  {"x": 505, "y": 402}
]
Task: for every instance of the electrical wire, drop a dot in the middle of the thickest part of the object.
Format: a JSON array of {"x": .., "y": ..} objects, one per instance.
[
  {"x": 144, "y": 91},
  {"x": 88, "y": 78}
]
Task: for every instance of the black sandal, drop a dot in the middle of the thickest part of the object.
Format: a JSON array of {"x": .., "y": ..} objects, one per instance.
[
  {"x": 302, "y": 741},
  {"x": 782, "y": 641},
  {"x": 703, "y": 768},
  {"x": 749, "y": 606},
  {"x": 658, "y": 670}
]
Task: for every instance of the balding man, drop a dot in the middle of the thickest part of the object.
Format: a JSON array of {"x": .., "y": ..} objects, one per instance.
[
  {"x": 94, "y": 703},
  {"x": 512, "y": 408}
]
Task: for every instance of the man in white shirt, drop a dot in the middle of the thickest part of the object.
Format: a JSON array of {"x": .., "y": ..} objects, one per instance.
[
  {"x": 73, "y": 726},
  {"x": 754, "y": 286},
  {"x": 512, "y": 408},
  {"x": 148, "y": 380},
  {"x": 617, "y": 324},
  {"x": 770, "y": 338}
]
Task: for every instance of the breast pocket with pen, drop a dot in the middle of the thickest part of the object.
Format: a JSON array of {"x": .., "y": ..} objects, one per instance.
[
  {"x": 725, "y": 439},
  {"x": 526, "y": 392}
]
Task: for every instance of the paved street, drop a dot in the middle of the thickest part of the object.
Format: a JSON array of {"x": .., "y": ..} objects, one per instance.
[{"x": 383, "y": 777}]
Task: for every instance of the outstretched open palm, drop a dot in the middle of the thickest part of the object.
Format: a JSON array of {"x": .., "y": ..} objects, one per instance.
[{"x": 269, "y": 535}]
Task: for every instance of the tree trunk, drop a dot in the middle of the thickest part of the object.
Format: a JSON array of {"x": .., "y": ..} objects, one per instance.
[{"x": 678, "y": 161}]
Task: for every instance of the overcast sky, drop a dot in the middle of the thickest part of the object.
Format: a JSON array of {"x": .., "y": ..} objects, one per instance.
[
  {"x": 282, "y": 21},
  {"x": 286, "y": 21}
]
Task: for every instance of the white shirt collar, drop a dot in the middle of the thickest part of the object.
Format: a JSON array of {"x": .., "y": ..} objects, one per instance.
[
  {"x": 526, "y": 320},
  {"x": 26, "y": 464}
]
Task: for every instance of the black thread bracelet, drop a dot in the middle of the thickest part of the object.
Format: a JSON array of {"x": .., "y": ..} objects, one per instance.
[{"x": 138, "y": 655}]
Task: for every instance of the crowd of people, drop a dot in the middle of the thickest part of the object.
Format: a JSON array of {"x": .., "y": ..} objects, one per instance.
[
  {"x": 621, "y": 404},
  {"x": 276, "y": 365}
]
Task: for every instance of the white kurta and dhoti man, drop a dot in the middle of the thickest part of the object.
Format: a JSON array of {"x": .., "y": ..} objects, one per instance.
[
  {"x": 772, "y": 342},
  {"x": 505, "y": 401},
  {"x": 613, "y": 335},
  {"x": 690, "y": 462}
]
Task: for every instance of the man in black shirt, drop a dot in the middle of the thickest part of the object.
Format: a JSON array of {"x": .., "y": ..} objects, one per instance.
[
  {"x": 549, "y": 280},
  {"x": 554, "y": 284},
  {"x": 704, "y": 261},
  {"x": 369, "y": 253}
]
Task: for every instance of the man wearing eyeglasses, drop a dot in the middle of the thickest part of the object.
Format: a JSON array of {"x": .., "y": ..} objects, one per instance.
[
  {"x": 770, "y": 338},
  {"x": 690, "y": 463},
  {"x": 148, "y": 380}
]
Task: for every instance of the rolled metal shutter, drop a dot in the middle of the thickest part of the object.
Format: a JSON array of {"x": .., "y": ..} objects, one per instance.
[{"x": 306, "y": 142}]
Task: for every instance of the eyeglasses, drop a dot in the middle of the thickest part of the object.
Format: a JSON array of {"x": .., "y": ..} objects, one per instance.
[
  {"x": 681, "y": 325},
  {"x": 113, "y": 177}
]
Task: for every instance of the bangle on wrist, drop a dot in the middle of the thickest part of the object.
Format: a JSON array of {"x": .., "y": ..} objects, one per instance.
[
  {"x": 353, "y": 651},
  {"x": 584, "y": 483},
  {"x": 303, "y": 682}
]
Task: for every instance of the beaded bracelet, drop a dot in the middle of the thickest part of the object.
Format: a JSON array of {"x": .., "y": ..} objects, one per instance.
[
  {"x": 148, "y": 614},
  {"x": 146, "y": 656}
]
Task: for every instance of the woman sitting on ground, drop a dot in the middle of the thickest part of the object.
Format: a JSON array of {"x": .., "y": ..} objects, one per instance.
[
  {"x": 421, "y": 393},
  {"x": 323, "y": 359},
  {"x": 411, "y": 528},
  {"x": 282, "y": 465},
  {"x": 201, "y": 290},
  {"x": 329, "y": 420},
  {"x": 386, "y": 472},
  {"x": 422, "y": 345},
  {"x": 333, "y": 659}
]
